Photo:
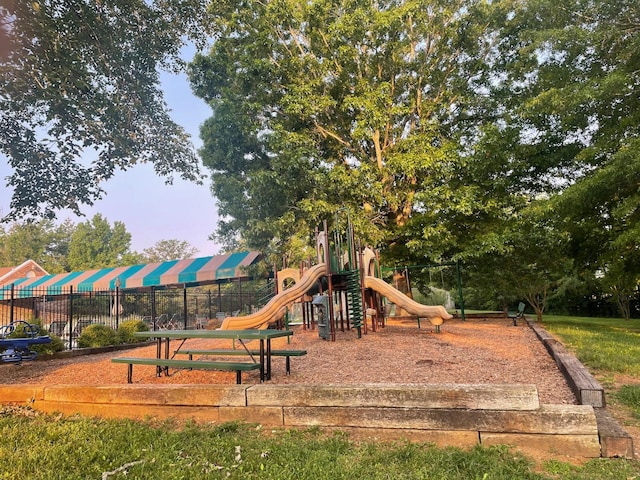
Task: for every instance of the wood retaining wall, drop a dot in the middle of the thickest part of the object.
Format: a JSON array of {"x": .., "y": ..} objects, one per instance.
[
  {"x": 614, "y": 440},
  {"x": 456, "y": 415}
]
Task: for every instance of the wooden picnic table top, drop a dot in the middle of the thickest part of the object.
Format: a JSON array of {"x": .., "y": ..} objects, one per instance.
[
  {"x": 264, "y": 336},
  {"x": 248, "y": 334}
]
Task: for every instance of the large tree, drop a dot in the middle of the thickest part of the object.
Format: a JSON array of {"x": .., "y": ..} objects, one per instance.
[
  {"x": 331, "y": 103},
  {"x": 80, "y": 97},
  {"x": 579, "y": 105},
  {"x": 565, "y": 90},
  {"x": 436, "y": 125}
]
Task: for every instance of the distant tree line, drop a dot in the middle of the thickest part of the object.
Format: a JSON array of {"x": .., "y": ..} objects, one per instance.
[{"x": 88, "y": 245}]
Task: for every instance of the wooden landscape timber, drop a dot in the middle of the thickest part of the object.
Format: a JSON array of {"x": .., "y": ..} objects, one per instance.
[
  {"x": 458, "y": 415},
  {"x": 585, "y": 387}
]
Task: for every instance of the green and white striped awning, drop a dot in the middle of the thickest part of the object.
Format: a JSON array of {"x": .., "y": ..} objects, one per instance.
[{"x": 190, "y": 272}]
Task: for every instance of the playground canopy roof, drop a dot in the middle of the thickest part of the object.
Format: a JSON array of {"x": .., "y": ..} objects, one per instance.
[{"x": 190, "y": 272}]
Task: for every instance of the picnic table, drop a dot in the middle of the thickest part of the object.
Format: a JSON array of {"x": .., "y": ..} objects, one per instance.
[{"x": 265, "y": 336}]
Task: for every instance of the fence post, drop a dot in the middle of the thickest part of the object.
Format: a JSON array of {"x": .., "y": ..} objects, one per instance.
[
  {"x": 117, "y": 305},
  {"x": 153, "y": 308},
  {"x": 11, "y": 303},
  {"x": 71, "y": 317},
  {"x": 184, "y": 304}
]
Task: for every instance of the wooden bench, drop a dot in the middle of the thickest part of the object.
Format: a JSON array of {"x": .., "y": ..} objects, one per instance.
[
  {"x": 238, "y": 367},
  {"x": 516, "y": 315},
  {"x": 274, "y": 353}
]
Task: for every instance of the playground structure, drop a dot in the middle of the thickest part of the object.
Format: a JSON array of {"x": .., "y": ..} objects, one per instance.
[
  {"x": 347, "y": 292},
  {"x": 15, "y": 350}
]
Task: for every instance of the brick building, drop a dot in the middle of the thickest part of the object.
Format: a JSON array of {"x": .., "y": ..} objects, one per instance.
[{"x": 28, "y": 269}]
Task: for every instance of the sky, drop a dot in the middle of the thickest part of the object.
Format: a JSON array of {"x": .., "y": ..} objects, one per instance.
[{"x": 151, "y": 210}]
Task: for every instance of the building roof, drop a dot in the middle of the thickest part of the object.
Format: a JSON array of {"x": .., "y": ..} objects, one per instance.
[
  {"x": 7, "y": 274},
  {"x": 5, "y": 271},
  {"x": 190, "y": 272}
]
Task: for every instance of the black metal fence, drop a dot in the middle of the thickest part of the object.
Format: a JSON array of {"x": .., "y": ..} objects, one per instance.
[{"x": 66, "y": 313}]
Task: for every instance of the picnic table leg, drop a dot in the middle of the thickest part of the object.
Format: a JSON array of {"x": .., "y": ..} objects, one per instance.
[
  {"x": 130, "y": 373},
  {"x": 262, "y": 360},
  {"x": 159, "y": 356},
  {"x": 238, "y": 377},
  {"x": 166, "y": 355},
  {"x": 268, "y": 359}
]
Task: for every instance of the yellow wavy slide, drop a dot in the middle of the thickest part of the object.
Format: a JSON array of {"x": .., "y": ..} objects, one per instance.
[
  {"x": 408, "y": 304},
  {"x": 275, "y": 308}
]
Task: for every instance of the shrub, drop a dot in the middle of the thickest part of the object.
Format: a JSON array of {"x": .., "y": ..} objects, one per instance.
[
  {"x": 97, "y": 335},
  {"x": 127, "y": 328},
  {"x": 56, "y": 345}
]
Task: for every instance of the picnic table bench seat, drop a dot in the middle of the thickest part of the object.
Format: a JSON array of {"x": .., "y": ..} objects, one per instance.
[
  {"x": 239, "y": 351},
  {"x": 238, "y": 367}
]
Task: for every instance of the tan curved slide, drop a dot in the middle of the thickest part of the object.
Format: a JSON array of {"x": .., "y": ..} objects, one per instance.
[
  {"x": 274, "y": 308},
  {"x": 400, "y": 299}
]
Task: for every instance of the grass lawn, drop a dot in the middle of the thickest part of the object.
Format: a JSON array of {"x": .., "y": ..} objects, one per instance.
[
  {"x": 610, "y": 348},
  {"x": 606, "y": 345},
  {"x": 38, "y": 446}
]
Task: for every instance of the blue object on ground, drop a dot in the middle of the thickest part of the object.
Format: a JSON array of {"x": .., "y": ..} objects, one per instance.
[{"x": 17, "y": 349}]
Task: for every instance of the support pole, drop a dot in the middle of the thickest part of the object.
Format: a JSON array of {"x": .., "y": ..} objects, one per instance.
[
  {"x": 12, "y": 303},
  {"x": 362, "y": 289},
  {"x": 327, "y": 263},
  {"x": 117, "y": 305},
  {"x": 153, "y": 308},
  {"x": 70, "y": 317},
  {"x": 155, "y": 327},
  {"x": 459, "y": 282},
  {"x": 184, "y": 305}
]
